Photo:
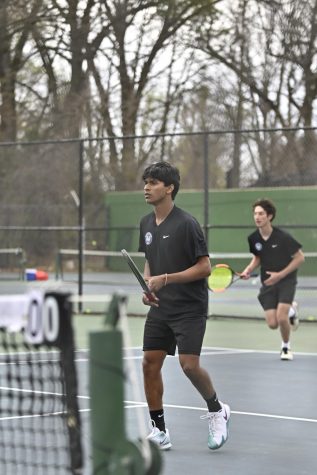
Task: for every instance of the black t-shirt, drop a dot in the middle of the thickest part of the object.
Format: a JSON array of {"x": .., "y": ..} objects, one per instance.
[
  {"x": 275, "y": 253},
  {"x": 173, "y": 246}
]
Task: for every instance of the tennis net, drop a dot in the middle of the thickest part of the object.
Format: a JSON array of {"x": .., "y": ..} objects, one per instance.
[{"x": 40, "y": 430}]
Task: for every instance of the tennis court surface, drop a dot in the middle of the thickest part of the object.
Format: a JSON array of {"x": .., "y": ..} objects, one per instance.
[{"x": 273, "y": 424}]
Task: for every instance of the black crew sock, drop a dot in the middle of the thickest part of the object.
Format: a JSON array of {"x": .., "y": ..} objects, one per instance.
[
  {"x": 213, "y": 404},
  {"x": 158, "y": 418}
]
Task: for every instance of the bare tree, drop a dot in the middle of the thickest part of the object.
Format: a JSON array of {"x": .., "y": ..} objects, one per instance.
[
  {"x": 278, "y": 77},
  {"x": 16, "y": 23},
  {"x": 139, "y": 49}
]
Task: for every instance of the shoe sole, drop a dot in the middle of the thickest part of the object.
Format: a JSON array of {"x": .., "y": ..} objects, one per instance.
[
  {"x": 161, "y": 446},
  {"x": 165, "y": 447}
]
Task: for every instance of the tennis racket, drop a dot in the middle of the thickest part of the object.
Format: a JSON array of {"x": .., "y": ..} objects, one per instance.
[
  {"x": 138, "y": 275},
  {"x": 221, "y": 277}
]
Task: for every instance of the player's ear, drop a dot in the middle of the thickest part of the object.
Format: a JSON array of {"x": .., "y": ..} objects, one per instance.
[{"x": 170, "y": 189}]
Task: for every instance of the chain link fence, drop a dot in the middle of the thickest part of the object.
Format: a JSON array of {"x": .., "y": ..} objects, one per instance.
[{"x": 53, "y": 193}]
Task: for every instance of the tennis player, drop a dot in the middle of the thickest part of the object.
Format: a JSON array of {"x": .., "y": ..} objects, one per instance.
[
  {"x": 176, "y": 267},
  {"x": 279, "y": 256}
]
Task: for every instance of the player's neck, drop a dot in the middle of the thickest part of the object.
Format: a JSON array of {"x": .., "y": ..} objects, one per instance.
[
  {"x": 266, "y": 231},
  {"x": 162, "y": 210}
]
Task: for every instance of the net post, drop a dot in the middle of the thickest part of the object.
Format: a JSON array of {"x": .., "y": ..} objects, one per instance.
[
  {"x": 106, "y": 391},
  {"x": 112, "y": 452}
]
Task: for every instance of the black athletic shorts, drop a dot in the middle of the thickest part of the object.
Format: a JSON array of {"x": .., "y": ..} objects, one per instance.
[
  {"x": 186, "y": 331},
  {"x": 282, "y": 292}
]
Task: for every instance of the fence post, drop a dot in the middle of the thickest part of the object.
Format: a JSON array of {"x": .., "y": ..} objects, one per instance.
[
  {"x": 206, "y": 189},
  {"x": 81, "y": 221}
]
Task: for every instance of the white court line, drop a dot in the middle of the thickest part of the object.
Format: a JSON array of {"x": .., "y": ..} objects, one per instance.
[
  {"x": 34, "y": 416},
  {"x": 203, "y": 353},
  {"x": 223, "y": 350},
  {"x": 220, "y": 350},
  {"x": 245, "y": 350},
  {"x": 35, "y": 391},
  {"x": 137, "y": 405},
  {"x": 217, "y": 350},
  {"x": 133, "y": 404},
  {"x": 208, "y": 351}
]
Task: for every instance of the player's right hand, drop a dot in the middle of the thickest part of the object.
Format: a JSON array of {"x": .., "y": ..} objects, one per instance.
[{"x": 152, "y": 302}]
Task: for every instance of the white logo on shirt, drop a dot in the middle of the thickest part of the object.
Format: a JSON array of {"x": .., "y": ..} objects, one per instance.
[
  {"x": 258, "y": 246},
  {"x": 274, "y": 245},
  {"x": 166, "y": 236},
  {"x": 148, "y": 238}
]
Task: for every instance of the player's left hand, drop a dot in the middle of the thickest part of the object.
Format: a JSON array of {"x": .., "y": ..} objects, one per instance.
[{"x": 156, "y": 282}]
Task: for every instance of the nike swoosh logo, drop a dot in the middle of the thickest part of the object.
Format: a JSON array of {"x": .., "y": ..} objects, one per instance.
[
  {"x": 274, "y": 245},
  {"x": 225, "y": 416},
  {"x": 162, "y": 442},
  {"x": 166, "y": 236}
]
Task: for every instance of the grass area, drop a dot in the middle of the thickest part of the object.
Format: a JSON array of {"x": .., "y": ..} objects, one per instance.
[{"x": 221, "y": 332}]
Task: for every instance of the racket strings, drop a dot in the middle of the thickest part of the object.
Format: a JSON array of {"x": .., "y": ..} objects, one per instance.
[{"x": 220, "y": 278}]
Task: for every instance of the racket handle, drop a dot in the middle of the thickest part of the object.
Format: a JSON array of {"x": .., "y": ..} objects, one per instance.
[{"x": 150, "y": 297}]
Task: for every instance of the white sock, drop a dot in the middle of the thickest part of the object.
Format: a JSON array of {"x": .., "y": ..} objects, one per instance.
[
  {"x": 291, "y": 312},
  {"x": 285, "y": 345}
]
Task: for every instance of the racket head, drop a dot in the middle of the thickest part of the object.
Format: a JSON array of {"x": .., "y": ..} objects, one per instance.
[
  {"x": 137, "y": 274},
  {"x": 220, "y": 278}
]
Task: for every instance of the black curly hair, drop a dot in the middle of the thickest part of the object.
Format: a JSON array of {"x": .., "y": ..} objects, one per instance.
[{"x": 165, "y": 172}]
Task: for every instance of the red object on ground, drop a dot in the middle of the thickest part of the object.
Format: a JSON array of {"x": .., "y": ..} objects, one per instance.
[{"x": 41, "y": 275}]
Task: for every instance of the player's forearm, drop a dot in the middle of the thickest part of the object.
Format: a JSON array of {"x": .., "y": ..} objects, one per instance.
[
  {"x": 253, "y": 264},
  {"x": 146, "y": 272},
  {"x": 297, "y": 260},
  {"x": 201, "y": 270}
]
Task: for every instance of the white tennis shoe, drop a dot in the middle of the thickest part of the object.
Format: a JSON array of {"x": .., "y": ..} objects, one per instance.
[
  {"x": 218, "y": 423},
  {"x": 286, "y": 354},
  {"x": 160, "y": 438}
]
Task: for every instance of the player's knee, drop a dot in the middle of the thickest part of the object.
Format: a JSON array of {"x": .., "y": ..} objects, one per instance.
[
  {"x": 189, "y": 369},
  {"x": 147, "y": 366},
  {"x": 150, "y": 368},
  {"x": 272, "y": 325}
]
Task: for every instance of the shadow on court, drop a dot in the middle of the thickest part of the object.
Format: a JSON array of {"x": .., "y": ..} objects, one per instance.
[{"x": 273, "y": 424}]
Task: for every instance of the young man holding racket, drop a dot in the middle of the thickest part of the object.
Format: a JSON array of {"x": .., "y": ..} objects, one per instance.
[
  {"x": 176, "y": 267},
  {"x": 279, "y": 256}
]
